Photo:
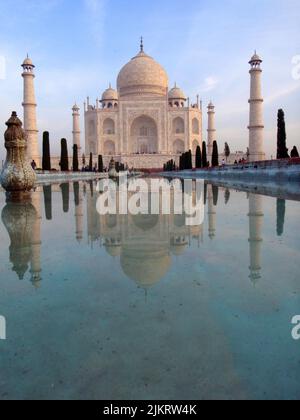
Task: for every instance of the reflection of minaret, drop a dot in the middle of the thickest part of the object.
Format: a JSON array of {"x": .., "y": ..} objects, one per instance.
[
  {"x": 36, "y": 242},
  {"x": 78, "y": 211},
  {"x": 212, "y": 214},
  {"x": 256, "y": 218},
  {"x": 19, "y": 219}
]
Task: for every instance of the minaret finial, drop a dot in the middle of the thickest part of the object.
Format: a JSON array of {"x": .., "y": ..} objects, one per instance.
[{"x": 142, "y": 44}]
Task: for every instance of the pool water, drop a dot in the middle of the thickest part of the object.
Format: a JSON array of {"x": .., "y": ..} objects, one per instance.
[{"x": 146, "y": 307}]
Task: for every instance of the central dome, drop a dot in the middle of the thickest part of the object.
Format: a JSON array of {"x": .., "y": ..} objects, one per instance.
[{"x": 142, "y": 76}]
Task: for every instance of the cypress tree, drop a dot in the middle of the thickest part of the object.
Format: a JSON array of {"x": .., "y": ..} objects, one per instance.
[
  {"x": 83, "y": 160},
  {"x": 294, "y": 152},
  {"x": 190, "y": 159},
  {"x": 64, "y": 158},
  {"x": 75, "y": 158},
  {"x": 215, "y": 155},
  {"x": 46, "y": 164},
  {"x": 204, "y": 155},
  {"x": 91, "y": 163},
  {"x": 198, "y": 158},
  {"x": 227, "y": 151},
  {"x": 100, "y": 163},
  {"x": 181, "y": 163},
  {"x": 282, "y": 150}
]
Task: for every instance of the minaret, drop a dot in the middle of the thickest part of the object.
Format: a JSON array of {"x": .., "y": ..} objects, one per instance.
[
  {"x": 35, "y": 264},
  {"x": 256, "y": 122},
  {"x": 76, "y": 126},
  {"x": 211, "y": 212},
  {"x": 211, "y": 130},
  {"x": 256, "y": 218},
  {"x": 29, "y": 105}
]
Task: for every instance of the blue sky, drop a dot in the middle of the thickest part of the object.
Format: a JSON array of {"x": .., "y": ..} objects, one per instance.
[{"x": 79, "y": 46}]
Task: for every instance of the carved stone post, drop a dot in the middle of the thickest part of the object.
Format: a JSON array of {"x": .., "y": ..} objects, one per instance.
[{"x": 17, "y": 177}]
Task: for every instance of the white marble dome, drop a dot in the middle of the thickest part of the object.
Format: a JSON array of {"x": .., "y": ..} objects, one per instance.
[
  {"x": 142, "y": 76},
  {"x": 27, "y": 62},
  {"x": 110, "y": 94},
  {"x": 176, "y": 93}
]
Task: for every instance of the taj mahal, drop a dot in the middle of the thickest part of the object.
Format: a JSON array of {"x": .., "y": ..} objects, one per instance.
[{"x": 142, "y": 123}]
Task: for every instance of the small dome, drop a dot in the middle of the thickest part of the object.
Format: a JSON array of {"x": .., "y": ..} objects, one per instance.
[
  {"x": 110, "y": 95},
  {"x": 113, "y": 250},
  {"x": 255, "y": 57},
  {"x": 176, "y": 93},
  {"x": 27, "y": 62}
]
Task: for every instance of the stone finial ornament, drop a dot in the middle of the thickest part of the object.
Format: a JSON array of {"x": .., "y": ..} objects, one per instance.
[{"x": 17, "y": 177}]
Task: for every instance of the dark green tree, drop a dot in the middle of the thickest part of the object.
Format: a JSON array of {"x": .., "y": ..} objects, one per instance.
[
  {"x": 198, "y": 158},
  {"x": 215, "y": 155},
  {"x": 75, "y": 158},
  {"x": 91, "y": 163},
  {"x": 181, "y": 163},
  {"x": 227, "y": 151},
  {"x": 282, "y": 150},
  {"x": 100, "y": 164},
  {"x": 294, "y": 152},
  {"x": 64, "y": 158},
  {"x": 204, "y": 155},
  {"x": 46, "y": 163},
  {"x": 189, "y": 160}
]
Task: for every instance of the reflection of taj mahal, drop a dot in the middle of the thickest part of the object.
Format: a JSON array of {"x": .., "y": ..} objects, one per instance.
[
  {"x": 143, "y": 245},
  {"x": 142, "y": 122}
]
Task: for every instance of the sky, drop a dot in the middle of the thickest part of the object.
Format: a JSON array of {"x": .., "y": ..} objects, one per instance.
[{"x": 79, "y": 46}]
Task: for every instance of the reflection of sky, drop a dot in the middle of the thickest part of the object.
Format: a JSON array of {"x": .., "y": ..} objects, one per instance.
[{"x": 204, "y": 329}]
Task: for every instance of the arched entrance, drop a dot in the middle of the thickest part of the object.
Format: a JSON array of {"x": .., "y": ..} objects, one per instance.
[{"x": 143, "y": 136}]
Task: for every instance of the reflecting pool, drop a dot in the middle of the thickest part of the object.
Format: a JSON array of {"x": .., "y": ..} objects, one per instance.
[{"x": 147, "y": 307}]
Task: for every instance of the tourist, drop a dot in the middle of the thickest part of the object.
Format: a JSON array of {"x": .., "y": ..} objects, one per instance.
[{"x": 33, "y": 165}]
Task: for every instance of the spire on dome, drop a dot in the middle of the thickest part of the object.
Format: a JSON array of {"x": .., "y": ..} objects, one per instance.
[{"x": 142, "y": 45}]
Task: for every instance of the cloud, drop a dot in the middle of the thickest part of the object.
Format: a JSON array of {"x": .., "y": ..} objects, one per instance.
[
  {"x": 286, "y": 91},
  {"x": 210, "y": 83},
  {"x": 96, "y": 13}
]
